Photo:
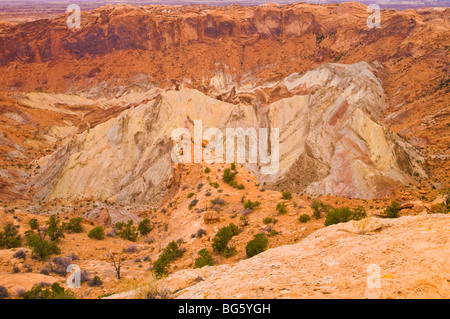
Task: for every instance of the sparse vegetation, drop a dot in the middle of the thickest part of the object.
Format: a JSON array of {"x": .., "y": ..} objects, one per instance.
[
  {"x": 204, "y": 259},
  {"x": 117, "y": 264},
  {"x": 318, "y": 208},
  {"x": 97, "y": 233},
  {"x": 127, "y": 230},
  {"x": 36, "y": 239},
  {"x": 267, "y": 220},
  {"x": 55, "y": 292},
  {"x": 145, "y": 227},
  {"x": 257, "y": 245},
  {"x": 344, "y": 214},
  {"x": 393, "y": 210},
  {"x": 286, "y": 195},
  {"x": 74, "y": 225},
  {"x": 304, "y": 218},
  {"x": 95, "y": 282},
  {"x": 55, "y": 230},
  {"x": 9, "y": 237},
  {"x": 221, "y": 239},
  {"x": 170, "y": 253},
  {"x": 251, "y": 205},
  {"x": 281, "y": 209}
]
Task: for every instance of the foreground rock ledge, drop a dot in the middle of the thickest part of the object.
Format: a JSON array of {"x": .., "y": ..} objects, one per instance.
[{"x": 412, "y": 252}]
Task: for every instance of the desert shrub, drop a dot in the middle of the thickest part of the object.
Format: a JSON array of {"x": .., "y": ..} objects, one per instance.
[
  {"x": 74, "y": 225},
  {"x": 251, "y": 205},
  {"x": 131, "y": 249},
  {"x": 204, "y": 259},
  {"x": 95, "y": 282},
  {"x": 214, "y": 184},
  {"x": 59, "y": 265},
  {"x": 145, "y": 227},
  {"x": 281, "y": 209},
  {"x": 318, "y": 208},
  {"x": 193, "y": 203},
  {"x": 190, "y": 195},
  {"x": 223, "y": 236},
  {"x": 40, "y": 247},
  {"x": 112, "y": 232},
  {"x": 19, "y": 292},
  {"x": 55, "y": 230},
  {"x": 304, "y": 218},
  {"x": 344, "y": 214},
  {"x": 286, "y": 195},
  {"x": 199, "y": 234},
  {"x": 170, "y": 253},
  {"x": 207, "y": 170},
  {"x": 127, "y": 231},
  {"x": 9, "y": 237},
  {"x": 257, "y": 245},
  {"x": 359, "y": 213},
  {"x": 15, "y": 269},
  {"x": 97, "y": 233},
  {"x": 393, "y": 210},
  {"x": 44, "y": 271},
  {"x": 228, "y": 176},
  {"x": 27, "y": 268},
  {"x": 234, "y": 184},
  {"x": 34, "y": 224},
  {"x": 233, "y": 166},
  {"x": 267, "y": 220},
  {"x": 55, "y": 292},
  {"x": 217, "y": 203},
  {"x": 229, "y": 252},
  {"x": 3, "y": 293}
]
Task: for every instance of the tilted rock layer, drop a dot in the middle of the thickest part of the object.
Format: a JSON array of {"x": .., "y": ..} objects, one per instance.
[{"x": 331, "y": 141}]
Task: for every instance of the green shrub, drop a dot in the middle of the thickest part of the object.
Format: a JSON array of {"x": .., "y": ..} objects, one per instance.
[
  {"x": 204, "y": 259},
  {"x": 234, "y": 184},
  {"x": 207, "y": 170},
  {"x": 273, "y": 232},
  {"x": 228, "y": 176},
  {"x": 233, "y": 166},
  {"x": 127, "y": 231},
  {"x": 215, "y": 184},
  {"x": 55, "y": 292},
  {"x": 257, "y": 245},
  {"x": 34, "y": 224},
  {"x": 251, "y": 205},
  {"x": 190, "y": 195},
  {"x": 267, "y": 220},
  {"x": 393, "y": 210},
  {"x": 9, "y": 237},
  {"x": 286, "y": 195},
  {"x": 281, "y": 208},
  {"x": 74, "y": 225},
  {"x": 318, "y": 208},
  {"x": 344, "y": 214},
  {"x": 97, "y": 233},
  {"x": 40, "y": 247},
  {"x": 223, "y": 236},
  {"x": 229, "y": 252},
  {"x": 304, "y": 218},
  {"x": 145, "y": 227},
  {"x": 170, "y": 253},
  {"x": 55, "y": 230}
]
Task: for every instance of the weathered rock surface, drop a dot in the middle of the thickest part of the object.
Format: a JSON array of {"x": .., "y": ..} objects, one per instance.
[{"x": 412, "y": 254}]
